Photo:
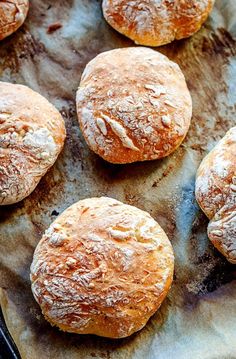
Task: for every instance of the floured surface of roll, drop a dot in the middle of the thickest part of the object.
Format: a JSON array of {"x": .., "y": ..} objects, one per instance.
[
  {"x": 32, "y": 134},
  {"x": 102, "y": 268},
  {"x": 216, "y": 194},
  {"x": 155, "y": 23},
  {"x": 12, "y": 16},
  {"x": 133, "y": 104}
]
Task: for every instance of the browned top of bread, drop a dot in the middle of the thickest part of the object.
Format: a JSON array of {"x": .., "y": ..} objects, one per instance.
[
  {"x": 102, "y": 268},
  {"x": 32, "y": 134},
  {"x": 216, "y": 194},
  {"x": 155, "y": 23},
  {"x": 12, "y": 16},
  {"x": 133, "y": 105}
]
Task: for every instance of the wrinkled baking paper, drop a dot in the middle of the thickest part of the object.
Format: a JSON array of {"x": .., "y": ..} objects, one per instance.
[{"x": 197, "y": 320}]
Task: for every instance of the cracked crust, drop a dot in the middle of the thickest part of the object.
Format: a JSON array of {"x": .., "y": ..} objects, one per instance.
[
  {"x": 86, "y": 273},
  {"x": 133, "y": 104},
  {"x": 216, "y": 194},
  {"x": 32, "y": 134},
  {"x": 12, "y": 16},
  {"x": 155, "y": 23}
]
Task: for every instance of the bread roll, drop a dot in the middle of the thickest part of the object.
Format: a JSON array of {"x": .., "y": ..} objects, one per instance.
[
  {"x": 32, "y": 134},
  {"x": 102, "y": 268},
  {"x": 155, "y": 23},
  {"x": 133, "y": 105},
  {"x": 216, "y": 194},
  {"x": 12, "y": 16}
]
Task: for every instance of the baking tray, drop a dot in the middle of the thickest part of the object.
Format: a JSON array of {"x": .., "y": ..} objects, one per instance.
[
  {"x": 7, "y": 345},
  {"x": 197, "y": 319}
]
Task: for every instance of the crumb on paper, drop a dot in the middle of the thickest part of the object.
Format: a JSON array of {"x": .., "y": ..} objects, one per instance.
[{"x": 54, "y": 27}]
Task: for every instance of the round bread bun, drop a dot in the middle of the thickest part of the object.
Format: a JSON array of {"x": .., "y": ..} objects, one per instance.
[
  {"x": 216, "y": 194},
  {"x": 133, "y": 104},
  {"x": 102, "y": 267},
  {"x": 156, "y": 23},
  {"x": 12, "y": 16},
  {"x": 32, "y": 134}
]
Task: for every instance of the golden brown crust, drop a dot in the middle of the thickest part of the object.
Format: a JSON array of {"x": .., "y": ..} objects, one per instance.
[
  {"x": 12, "y": 16},
  {"x": 102, "y": 268},
  {"x": 32, "y": 134},
  {"x": 216, "y": 194},
  {"x": 133, "y": 105},
  {"x": 155, "y": 23}
]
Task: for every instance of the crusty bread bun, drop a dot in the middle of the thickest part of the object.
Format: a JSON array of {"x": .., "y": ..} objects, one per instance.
[
  {"x": 12, "y": 16},
  {"x": 102, "y": 267},
  {"x": 32, "y": 134},
  {"x": 216, "y": 194},
  {"x": 155, "y": 23},
  {"x": 133, "y": 105}
]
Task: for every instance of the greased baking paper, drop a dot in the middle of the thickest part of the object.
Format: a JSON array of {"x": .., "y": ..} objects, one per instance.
[{"x": 197, "y": 320}]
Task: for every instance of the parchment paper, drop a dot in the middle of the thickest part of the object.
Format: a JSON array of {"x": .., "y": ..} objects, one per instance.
[{"x": 197, "y": 320}]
